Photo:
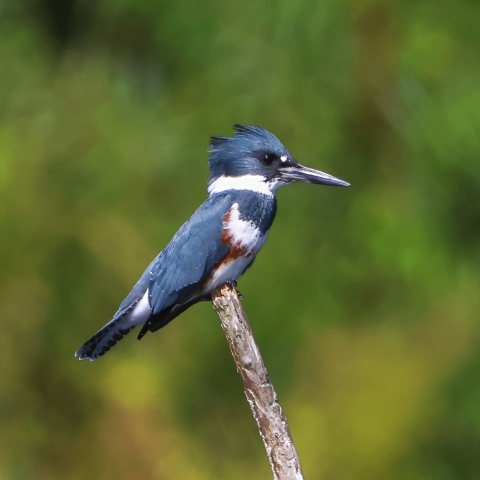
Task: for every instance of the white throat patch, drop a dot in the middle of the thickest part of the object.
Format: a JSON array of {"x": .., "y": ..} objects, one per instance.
[{"x": 254, "y": 183}]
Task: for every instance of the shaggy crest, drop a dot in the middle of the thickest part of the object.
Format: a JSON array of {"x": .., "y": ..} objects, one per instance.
[{"x": 237, "y": 155}]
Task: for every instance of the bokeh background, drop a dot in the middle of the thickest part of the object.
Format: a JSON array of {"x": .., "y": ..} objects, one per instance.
[{"x": 365, "y": 301}]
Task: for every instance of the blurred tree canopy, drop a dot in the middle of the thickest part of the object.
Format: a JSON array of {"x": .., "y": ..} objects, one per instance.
[{"x": 364, "y": 301}]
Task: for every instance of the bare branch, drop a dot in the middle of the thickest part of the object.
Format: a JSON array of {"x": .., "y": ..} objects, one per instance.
[{"x": 259, "y": 390}]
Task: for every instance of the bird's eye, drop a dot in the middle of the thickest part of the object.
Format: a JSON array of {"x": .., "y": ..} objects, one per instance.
[{"x": 268, "y": 158}]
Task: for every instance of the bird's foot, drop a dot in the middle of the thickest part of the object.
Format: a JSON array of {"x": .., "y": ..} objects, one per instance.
[{"x": 233, "y": 285}]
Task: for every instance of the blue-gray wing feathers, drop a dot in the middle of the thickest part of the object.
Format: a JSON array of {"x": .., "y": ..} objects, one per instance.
[
  {"x": 173, "y": 278},
  {"x": 190, "y": 256}
]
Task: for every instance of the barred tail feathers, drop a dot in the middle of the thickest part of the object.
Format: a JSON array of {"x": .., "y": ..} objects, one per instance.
[
  {"x": 108, "y": 336},
  {"x": 103, "y": 340}
]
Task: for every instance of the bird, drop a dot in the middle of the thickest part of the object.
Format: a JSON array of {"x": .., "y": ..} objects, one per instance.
[{"x": 220, "y": 240}]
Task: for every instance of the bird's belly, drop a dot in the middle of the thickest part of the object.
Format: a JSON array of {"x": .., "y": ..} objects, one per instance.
[{"x": 227, "y": 271}]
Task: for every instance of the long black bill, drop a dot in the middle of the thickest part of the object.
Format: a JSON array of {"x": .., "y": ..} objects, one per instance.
[{"x": 299, "y": 173}]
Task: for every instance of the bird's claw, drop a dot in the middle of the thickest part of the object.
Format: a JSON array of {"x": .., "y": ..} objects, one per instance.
[{"x": 233, "y": 285}]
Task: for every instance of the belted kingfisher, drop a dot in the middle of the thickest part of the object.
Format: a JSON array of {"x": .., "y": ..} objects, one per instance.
[{"x": 221, "y": 239}]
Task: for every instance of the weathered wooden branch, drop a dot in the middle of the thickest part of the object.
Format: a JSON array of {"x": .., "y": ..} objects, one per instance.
[{"x": 259, "y": 390}]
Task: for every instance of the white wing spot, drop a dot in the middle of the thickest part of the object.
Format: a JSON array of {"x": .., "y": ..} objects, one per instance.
[{"x": 141, "y": 312}]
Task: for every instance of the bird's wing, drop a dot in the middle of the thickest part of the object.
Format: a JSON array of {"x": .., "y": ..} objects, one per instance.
[{"x": 189, "y": 258}]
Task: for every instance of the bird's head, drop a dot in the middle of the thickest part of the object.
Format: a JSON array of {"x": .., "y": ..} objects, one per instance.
[{"x": 255, "y": 159}]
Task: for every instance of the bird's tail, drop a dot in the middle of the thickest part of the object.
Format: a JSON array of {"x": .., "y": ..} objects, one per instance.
[{"x": 104, "y": 339}]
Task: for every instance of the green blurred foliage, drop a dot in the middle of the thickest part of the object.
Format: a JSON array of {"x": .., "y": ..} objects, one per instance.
[{"x": 364, "y": 301}]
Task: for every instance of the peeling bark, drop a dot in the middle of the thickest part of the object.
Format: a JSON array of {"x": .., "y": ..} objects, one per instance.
[{"x": 259, "y": 390}]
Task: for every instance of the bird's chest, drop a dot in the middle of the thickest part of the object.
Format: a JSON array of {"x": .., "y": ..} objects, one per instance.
[{"x": 244, "y": 235}]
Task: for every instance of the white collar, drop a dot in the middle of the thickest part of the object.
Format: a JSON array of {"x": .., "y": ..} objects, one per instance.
[{"x": 253, "y": 183}]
